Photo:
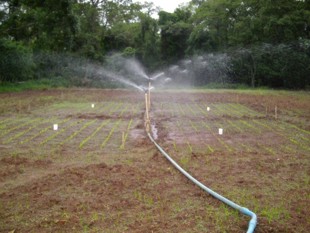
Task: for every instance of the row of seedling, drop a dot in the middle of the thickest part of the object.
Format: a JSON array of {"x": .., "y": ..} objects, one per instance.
[
  {"x": 236, "y": 126},
  {"x": 44, "y": 131}
]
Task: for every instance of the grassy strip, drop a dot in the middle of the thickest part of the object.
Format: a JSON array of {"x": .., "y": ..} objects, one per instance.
[{"x": 42, "y": 84}]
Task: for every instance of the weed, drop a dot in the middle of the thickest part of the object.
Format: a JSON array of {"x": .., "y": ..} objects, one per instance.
[{"x": 275, "y": 213}]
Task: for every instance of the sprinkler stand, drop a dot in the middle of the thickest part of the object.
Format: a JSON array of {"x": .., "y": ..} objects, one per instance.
[
  {"x": 276, "y": 112},
  {"x": 149, "y": 99},
  {"x": 147, "y": 120}
]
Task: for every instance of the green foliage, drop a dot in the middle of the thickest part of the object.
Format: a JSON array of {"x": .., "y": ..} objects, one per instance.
[
  {"x": 42, "y": 84},
  {"x": 16, "y": 62},
  {"x": 283, "y": 65},
  {"x": 175, "y": 31},
  {"x": 129, "y": 52},
  {"x": 48, "y": 39}
]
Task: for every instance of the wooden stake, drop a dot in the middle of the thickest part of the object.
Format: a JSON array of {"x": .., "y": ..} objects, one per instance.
[
  {"x": 276, "y": 112},
  {"x": 147, "y": 121},
  {"x": 149, "y": 99}
]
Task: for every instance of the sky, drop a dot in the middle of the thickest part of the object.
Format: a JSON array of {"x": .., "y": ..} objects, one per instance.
[{"x": 166, "y": 5}]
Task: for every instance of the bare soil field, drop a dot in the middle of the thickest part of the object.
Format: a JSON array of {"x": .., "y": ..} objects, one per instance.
[{"x": 99, "y": 172}]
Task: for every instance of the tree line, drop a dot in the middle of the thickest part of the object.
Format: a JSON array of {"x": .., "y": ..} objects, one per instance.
[{"x": 267, "y": 42}]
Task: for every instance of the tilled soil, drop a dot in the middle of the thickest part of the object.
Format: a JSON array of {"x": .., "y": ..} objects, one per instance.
[{"x": 260, "y": 162}]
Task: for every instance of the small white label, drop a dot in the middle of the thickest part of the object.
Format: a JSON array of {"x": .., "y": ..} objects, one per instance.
[
  {"x": 55, "y": 126},
  {"x": 208, "y": 109},
  {"x": 220, "y": 131},
  {"x": 92, "y": 105}
]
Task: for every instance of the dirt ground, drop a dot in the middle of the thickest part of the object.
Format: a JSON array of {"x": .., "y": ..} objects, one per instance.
[{"x": 100, "y": 172}]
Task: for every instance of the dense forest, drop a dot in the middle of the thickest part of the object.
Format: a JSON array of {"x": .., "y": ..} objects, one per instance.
[{"x": 256, "y": 43}]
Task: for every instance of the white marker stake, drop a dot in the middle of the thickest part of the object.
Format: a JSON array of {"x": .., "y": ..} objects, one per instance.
[
  {"x": 220, "y": 131},
  {"x": 92, "y": 105},
  {"x": 55, "y": 126},
  {"x": 208, "y": 109}
]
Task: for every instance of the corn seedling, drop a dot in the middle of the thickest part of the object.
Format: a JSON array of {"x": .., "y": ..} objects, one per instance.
[
  {"x": 193, "y": 126},
  {"x": 58, "y": 133},
  {"x": 218, "y": 138},
  {"x": 93, "y": 134},
  {"x": 210, "y": 148},
  {"x": 110, "y": 134},
  {"x": 205, "y": 113},
  {"x": 42, "y": 131},
  {"x": 5, "y": 132},
  {"x": 73, "y": 135},
  {"x": 125, "y": 135},
  {"x": 124, "y": 110},
  {"x": 194, "y": 113},
  {"x": 251, "y": 126},
  {"x": 181, "y": 109},
  {"x": 234, "y": 126},
  {"x": 175, "y": 146},
  {"x": 20, "y": 134},
  {"x": 189, "y": 147}
]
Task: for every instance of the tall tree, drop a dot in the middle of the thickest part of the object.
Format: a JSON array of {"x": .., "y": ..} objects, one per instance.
[
  {"x": 41, "y": 24},
  {"x": 175, "y": 30}
]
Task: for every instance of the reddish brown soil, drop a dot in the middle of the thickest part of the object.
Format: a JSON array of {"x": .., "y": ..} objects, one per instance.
[{"x": 137, "y": 190}]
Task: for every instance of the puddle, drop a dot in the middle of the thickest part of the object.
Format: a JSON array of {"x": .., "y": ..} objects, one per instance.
[{"x": 154, "y": 131}]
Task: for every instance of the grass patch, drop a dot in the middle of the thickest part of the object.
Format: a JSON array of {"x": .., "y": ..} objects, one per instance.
[{"x": 41, "y": 84}]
